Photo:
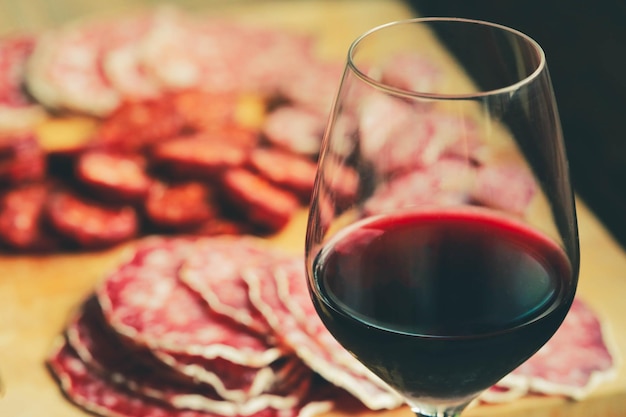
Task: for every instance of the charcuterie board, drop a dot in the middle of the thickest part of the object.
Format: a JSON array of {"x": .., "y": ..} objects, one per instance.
[{"x": 38, "y": 293}]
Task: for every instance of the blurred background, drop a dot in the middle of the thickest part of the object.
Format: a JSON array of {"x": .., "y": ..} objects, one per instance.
[{"x": 585, "y": 44}]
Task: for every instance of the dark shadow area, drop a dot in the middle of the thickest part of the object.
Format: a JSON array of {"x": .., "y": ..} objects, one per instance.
[{"x": 585, "y": 45}]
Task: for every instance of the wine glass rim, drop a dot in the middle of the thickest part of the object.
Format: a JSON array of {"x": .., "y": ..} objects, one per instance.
[{"x": 460, "y": 96}]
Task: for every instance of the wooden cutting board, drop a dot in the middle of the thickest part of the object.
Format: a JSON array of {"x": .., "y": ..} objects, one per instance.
[{"x": 37, "y": 294}]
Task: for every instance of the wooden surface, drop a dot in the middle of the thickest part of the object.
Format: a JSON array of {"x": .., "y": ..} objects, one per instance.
[{"x": 38, "y": 293}]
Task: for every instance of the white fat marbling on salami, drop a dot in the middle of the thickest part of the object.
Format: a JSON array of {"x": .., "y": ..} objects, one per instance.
[
  {"x": 96, "y": 394},
  {"x": 144, "y": 300},
  {"x": 221, "y": 55},
  {"x": 232, "y": 390},
  {"x": 578, "y": 357},
  {"x": 506, "y": 186},
  {"x": 17, "y": 109},
  {"x": 446, "y": 182},
  {"x": 296, "y": 129},
  {"x": 213, "y": 270},
  {"x": 318, "y": 350}
]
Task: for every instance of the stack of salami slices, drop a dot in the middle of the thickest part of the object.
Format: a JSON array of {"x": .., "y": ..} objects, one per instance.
[
  {"x": 200, "y": 124},
  {"x": 224, "y": 326},
  {"x": 211, "y": 326}
]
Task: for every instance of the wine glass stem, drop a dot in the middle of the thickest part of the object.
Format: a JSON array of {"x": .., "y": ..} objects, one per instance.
[{"x": 439, "y": 411}]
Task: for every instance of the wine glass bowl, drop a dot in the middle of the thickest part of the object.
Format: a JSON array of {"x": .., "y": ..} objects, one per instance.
[{"x": 442, "y": 246}]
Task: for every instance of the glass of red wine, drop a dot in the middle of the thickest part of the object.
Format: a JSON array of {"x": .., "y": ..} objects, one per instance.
[{"x": 442, "y": 243}]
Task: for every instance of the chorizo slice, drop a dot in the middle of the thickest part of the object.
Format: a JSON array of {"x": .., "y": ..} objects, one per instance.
[
  {"x": 115, "y": 177},
  {"x": 179, "y": 206},
  {"x": 88, "y": 223},
  {"x": 286, "y": 170},
  {"x": 261, "y": 202}
]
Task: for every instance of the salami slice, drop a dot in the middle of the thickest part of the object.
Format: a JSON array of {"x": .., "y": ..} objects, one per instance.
[
  {"x": 137, "y": 370},
  {"x": 90, "y": 224},
  {"x": 144, "y": 300},
  {"x": 21, "y": 220},
  {"x": 197, "y": 156},
  {"x": 505, "y": 186},
  {"x": 313, "y": 88},
  {"x": 262, "y": 203},
  {"x": 17, "y": 109},
  {"x": 97, "y": 395},
  {"x": 137, "y": 125},
  {"x": 319, "y": 355},
  {"x": 446, "y": 182},
  {"x": 415, "y": 138},
  {"x": 286, "y": 170},
  {"x": 180, "y": 206},
  {"x": 215, "y": 274},
  {"x": 21, "y": 159},
  {"x": 114, "y": 177},
  {"x": 295, "y": 129},
  {"x": 578, "y": 357},
  {"x": 412, "y": 72}
]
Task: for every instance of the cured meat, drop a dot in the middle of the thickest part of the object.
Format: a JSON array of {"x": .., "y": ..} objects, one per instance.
[
  {"x": 137, "y": 371},
  {"x": 286, "y": 170},
  {"x": 505, "y": 186},
  {"x": 180, "y": 206},
  {"x": 90, "y": 224},
  {"x": 295, "y": 129},
  {"x": 21, "y": 159},
  {"x": 21, "y": 225},
  {"x": 204, "y": 111},
  {"x": 416, "y": 137},
  {"x": 221, "y": 56},
  {"x": 577, "y": 358},
  {"x": 17, "y": 109},
  {"x": 144, "y": 301},
  {"x": 446, "y": 182},
  {"x": 114, "y": 177},
  {"x": 137, "y": 125},
  {"x": 122, "y": 62},
  {"x": 213, "y": 270},
  {"x": 197, "y": 156},
  {"x": 348, "y": 373},
  {"x": 260, "y": 202},
  {"x": 314, "y": 87},
  {"x": 95, "y": 394},
  {"x": 412, "y": 72}
]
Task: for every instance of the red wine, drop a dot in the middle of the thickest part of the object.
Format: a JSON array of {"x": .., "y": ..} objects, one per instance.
[{"x": 442, "y": 304}]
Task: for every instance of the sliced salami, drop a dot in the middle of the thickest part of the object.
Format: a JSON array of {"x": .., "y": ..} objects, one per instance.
[
  {"x": 21, "y": 219},
  {"x": 412, "y": 72},
  {"x": 320, "y": 356},
  {"x": 197, "y": 156},
  {"x": 415, "y": 137},
  {"x": 144, "y": 300},
  {"x": 137, "y": 125},
  {"x": 179, "y": 206},
  {"x": 114, "y": 177},
  {"x": 505, "y": 186},
  {"x": 213, "y": 270},
  {"x": 90, "y": 224},
  {"x": 578, "y": 357},
  {"x": 262, "y": 203},
  {"x": 295, "y": 129},
  {"x": 286, "y": 170},
  {"x": 138, "y": 371},
  {"x": 446, "y": 182},
  {"x": 315, "y": 87},
  {"x": 21, "y": 159},
  {"x": 98, "y": 395},
  {"x": 17, "y": 109}
]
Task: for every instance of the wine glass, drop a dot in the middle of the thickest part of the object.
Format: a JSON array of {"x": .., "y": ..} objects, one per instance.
[{"x": 442, "y": 244}]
